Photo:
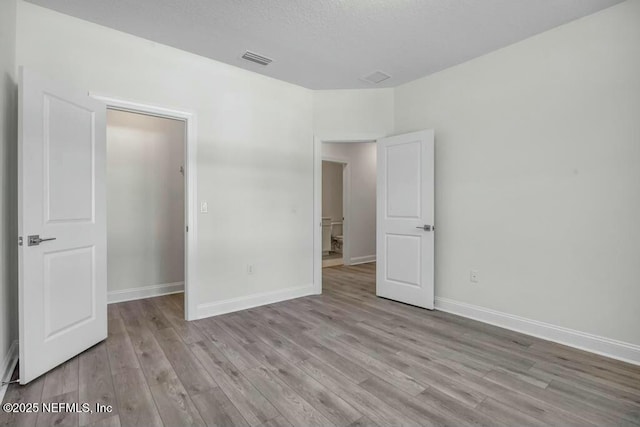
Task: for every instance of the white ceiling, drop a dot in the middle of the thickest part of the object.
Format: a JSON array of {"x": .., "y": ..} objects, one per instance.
[{"x": 331, "y": 44}]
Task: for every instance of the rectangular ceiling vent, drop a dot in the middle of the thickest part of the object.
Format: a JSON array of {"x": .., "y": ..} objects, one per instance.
[
  {"x": 376, "y": 77},
  {"x": 258, "y": 59}
]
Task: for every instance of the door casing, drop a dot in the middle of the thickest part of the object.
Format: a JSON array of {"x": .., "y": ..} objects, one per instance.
[
  {"x": 318, "y": 140},
  {"x": 190, "y": 191}
]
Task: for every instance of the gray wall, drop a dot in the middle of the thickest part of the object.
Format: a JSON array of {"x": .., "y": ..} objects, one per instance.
[
  {"x": 537, "y": 174},
  {"x": 254, "y": 167},
  {"x": 145, "y": 193},
  {"x": 8, "y": 179}
]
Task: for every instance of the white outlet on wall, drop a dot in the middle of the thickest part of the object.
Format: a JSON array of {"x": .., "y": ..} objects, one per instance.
[
  {"x": 475, "y": 276},
  {"x": 250, "y": 268},
  {"x": 204, "y": 207}
]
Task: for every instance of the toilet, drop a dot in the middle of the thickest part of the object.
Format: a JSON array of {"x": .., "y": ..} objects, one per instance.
[
  {"x": 337, "y": 241},
  {"x": 336, "y": 237}
]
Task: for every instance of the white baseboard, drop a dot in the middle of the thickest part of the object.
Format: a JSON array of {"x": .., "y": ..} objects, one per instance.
[
  {"x": 7, "y": 367},
  {"x": 614, "y": 349},
  {"x": 144, "y": 292},
  {"x": 362, "y": 259},
  {"x": 332, "y": 262},
  {"x": 243, "y": 303}
]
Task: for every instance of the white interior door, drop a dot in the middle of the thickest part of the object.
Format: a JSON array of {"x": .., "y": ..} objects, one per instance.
[
  {"x": 405, "y": 218},
  {"x": 62, "y": 223}
]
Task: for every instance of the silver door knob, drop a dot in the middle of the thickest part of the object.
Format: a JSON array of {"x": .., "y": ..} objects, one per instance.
[
  {"x": 35, "y": 240},
  {"x": 426, "y": 227}
]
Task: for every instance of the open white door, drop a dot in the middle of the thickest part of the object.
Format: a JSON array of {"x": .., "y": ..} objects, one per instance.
[
  {"x": 405, "y": 218},
  {"x": 62, "y": 224}
]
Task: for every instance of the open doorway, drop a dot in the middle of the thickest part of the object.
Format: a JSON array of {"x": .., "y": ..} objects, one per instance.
[
  {"x": 395, "y": 198},
  {"x": 145, "y": 205},
  {"x": 159, "y": 177},
  {"x": 347, "y": 207}
]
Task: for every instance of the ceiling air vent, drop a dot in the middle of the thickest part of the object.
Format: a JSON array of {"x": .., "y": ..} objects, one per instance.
[
  {"x": 258, "y": 59},
  {"x": 376, "y": 77}
]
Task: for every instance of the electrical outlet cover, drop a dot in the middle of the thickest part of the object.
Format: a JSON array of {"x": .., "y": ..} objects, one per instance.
[{"x": 475, "y": 276}]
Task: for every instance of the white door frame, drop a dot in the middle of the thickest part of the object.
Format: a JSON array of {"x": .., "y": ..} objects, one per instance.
[
  {"x": 346, "y": 203},
  {"x": 190, "y": 205},
  {"x": 317, "y": 196}
]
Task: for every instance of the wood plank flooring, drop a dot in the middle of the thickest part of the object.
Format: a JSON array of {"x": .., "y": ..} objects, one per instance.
[{"x": 344, "y": 358}]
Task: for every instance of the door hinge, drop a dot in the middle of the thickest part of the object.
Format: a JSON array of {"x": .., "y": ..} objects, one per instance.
[
  {"x": 19, "y": 240},
  {"x": 187, "y": 228}
]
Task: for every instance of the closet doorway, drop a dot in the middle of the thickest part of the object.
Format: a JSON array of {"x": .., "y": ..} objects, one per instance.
[{"x": 151, "y": 224}]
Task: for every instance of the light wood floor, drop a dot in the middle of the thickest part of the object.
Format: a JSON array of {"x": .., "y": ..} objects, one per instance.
[{"x": 342, "y": 358}]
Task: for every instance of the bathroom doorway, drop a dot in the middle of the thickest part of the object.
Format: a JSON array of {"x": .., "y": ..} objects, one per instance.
[{"x": 334, "y": 178}]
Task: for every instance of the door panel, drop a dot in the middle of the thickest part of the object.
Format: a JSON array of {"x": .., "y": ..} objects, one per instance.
[
  {"x": 68, "y": 160},
  {"x": 403, "y": 183},
  {"x": 403, "y": 256},
  {"x": 405, "y": 205},
  {"x": 68, "y": 276},
  {"x": 61, "y": 186}
]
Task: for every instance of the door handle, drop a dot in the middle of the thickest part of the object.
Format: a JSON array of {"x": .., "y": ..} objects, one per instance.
[
  {"x": 426, "y": 227},
  {"x": 35, "y": 240}
]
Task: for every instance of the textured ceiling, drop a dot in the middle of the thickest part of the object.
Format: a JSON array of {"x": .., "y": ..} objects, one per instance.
[{"x": 331, "y": 44}]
